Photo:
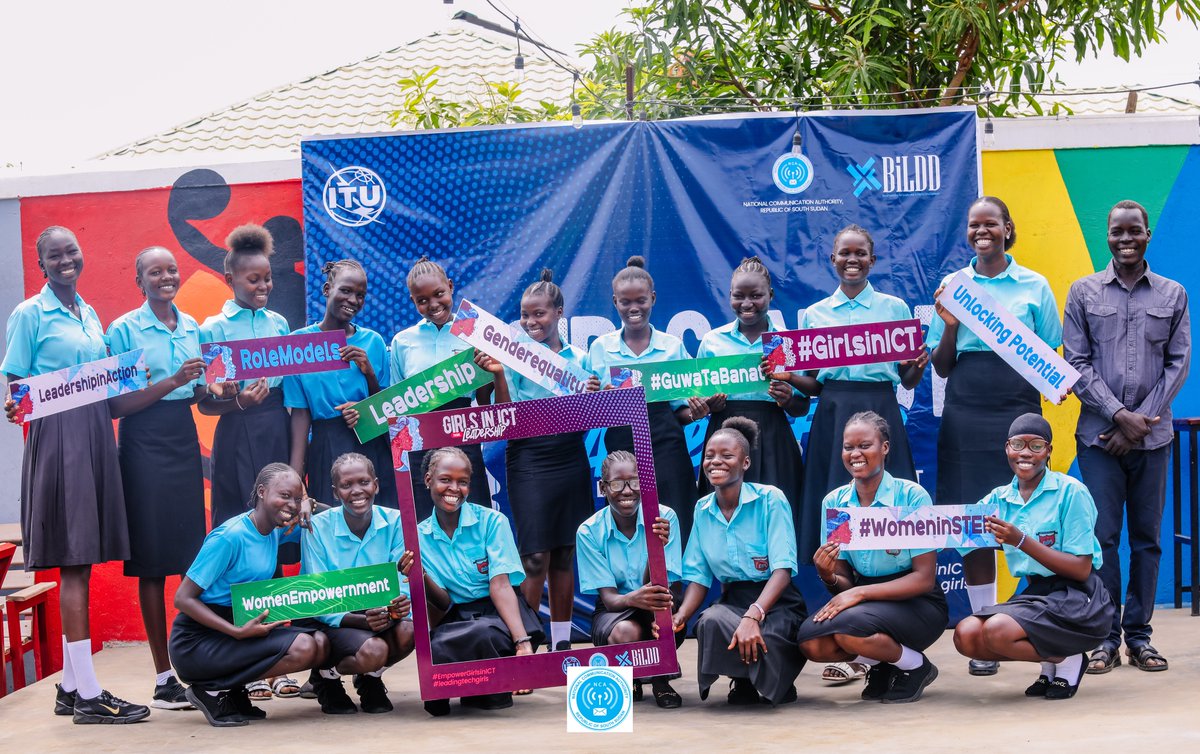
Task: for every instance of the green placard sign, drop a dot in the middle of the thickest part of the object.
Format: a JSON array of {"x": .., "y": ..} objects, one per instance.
[
  {"x": 687, "y": 378},
  {"x": 424, "y": 391},
  {"x": 313, "y": 594}
]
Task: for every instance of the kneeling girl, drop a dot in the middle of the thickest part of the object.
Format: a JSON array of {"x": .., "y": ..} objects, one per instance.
[
  {"x": 887, "y": 605},
  {"x": 742, "y": 535}
]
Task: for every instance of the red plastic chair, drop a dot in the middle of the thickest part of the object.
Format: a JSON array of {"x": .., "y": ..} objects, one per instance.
[{"x": 32, "y": 599}]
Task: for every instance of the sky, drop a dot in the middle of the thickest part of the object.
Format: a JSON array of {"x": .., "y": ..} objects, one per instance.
[{"x": 79, "y": 77}]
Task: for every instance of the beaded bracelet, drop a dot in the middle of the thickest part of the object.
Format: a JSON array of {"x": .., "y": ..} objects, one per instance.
[{"x": 1023, "y": 535}]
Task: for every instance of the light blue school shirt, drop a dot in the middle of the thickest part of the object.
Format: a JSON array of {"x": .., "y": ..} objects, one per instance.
[
  {"x": 1021, "y": 291},
  {"x": 522, "y": 388},
  {"x": 320, "y": 392},
  {"x": 331, "y": 546},
  {"x": 482, "y": 548},
  {"x": 419, "y": 347},
  {"x": 610, "y": 350},
  {"x": 867, "y": 307},
  {"x": 896, "y": 493},
  {"x": 728, "y": 340},
  {"x": 235, "y": 553},
  {"x": 1060, "y": 514},
  {"x": 756, "y": 541},
  {"x": 607, "y": 558},
  {"x": 236, "y": 322},
  {"x": 43, "y": 336},
  {"x": 164, "y": 350}
]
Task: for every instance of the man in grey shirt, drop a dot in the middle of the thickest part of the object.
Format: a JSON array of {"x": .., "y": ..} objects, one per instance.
[{"x": 1127, "y": 332}]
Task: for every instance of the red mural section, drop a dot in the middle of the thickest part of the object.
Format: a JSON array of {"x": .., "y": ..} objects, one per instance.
[{"x": 191, "y": 217}]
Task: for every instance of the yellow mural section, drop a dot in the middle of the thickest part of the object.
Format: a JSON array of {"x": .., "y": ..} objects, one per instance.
[{"x": 1050, "y": 241}]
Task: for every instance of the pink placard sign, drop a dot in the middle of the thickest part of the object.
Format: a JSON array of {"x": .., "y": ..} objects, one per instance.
[{"x": 844, "y": 346}]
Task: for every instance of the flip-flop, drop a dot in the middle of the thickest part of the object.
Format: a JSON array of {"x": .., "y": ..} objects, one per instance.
[
  {"x": 1108, "y": 658},
  {"x": 279, "y": 684},
  {"x": 839, "y": 673},
  {"x": 1141, "y": 655}
]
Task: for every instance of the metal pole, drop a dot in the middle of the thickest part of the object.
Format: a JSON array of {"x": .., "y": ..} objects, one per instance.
[{"x": 629, "y": 91}]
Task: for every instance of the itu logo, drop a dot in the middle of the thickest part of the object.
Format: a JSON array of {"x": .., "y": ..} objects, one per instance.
[
  {"x": 792, "y": 172},
  {"x": 570, "y": 662},
  {"x": 600, "y": 699},
  {"x": 355, "y": 196},
  {"x": 864, "y": 176}
]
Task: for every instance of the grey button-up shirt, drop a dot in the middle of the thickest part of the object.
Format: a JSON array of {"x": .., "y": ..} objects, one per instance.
[{"x": 1132, "y": 347}]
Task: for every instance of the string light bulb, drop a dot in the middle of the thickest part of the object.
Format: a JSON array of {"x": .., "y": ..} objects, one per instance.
[{"x": 519, "y": 63}]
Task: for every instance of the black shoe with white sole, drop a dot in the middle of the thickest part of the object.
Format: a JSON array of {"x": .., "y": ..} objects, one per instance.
[
  {"x": 64, "y": 701},
  {"x": 107, "y": 709},
  {"x": 218, "y": 708},
  {"x": 907, "y": 685},
  {"x": 170, "y": 695}
]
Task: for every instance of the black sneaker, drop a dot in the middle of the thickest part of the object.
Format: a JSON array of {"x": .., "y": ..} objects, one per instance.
[
  {"x": 218, "y": 709},
  {"x": 170, "y": 695},
  {"x": 563, "y": 646},
  {"x": 879, "y": 680},
  {"x": 488, "y": 701},
  {"x": 742, "y": 692},
  {"x": 107, "y": 709},
  {"x": 372, "y": 694},
  {"x": 334, "y": 699},
  {"x": 64, "y": 701},
  {"x": 438, "y": 707},
  {"x": 1038, "y": 687},
  {"x": 983, "y": 667},
  {"x": 907, "y": 685},
  {"x": 239, "y": 699}
]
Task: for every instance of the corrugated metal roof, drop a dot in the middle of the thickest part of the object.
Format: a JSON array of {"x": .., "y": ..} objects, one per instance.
[
  {"x": 359, "y": 97},
  {"x": 1164, "y": 102}
]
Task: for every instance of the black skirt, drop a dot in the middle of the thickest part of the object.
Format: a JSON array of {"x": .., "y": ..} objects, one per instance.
[
  {"x": 983, "y": 397},
  {"x": 332, "y": 438},
  {"x": 674, "y": 475},
  {"x": 549, "y": 490},
  {"x": 245, "y": 442},
  {"x": 603, "y": 622},
  {"x": 72, "y": 503},
  {"x": 776, "y": 669},
  {"x": 776, "y": 461},
  {"x": 480, "y": 490},
  {"x": 1061, "y": 617},
  {"x": 475, "y": 631},
  {"x": 824, "y": 470},
  {"x": 164, "y": 488},
  {"x": 916, "y": 622},
  {"x": 214, "y": 661}
]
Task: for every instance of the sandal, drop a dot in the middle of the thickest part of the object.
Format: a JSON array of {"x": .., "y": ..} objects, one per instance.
[
  {"x": 1103, "y": 660},
  {"x": 1143, "y": 655},
  {"x": 259, "y": 691},
  {"x": 839, "y": 673},
  {"x": 285, "y": 688}
]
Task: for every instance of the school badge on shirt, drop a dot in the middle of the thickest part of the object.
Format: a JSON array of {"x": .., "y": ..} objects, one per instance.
[
  {"x": 1048, "y": 538},
  {"x": 760, "y": 564},
  {"x": 481, "y": 565}
]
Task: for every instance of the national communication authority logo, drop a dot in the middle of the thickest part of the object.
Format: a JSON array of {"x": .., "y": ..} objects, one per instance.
[
  {"x": 355, "y": 196},
  {"x": 792, "y": 172},
  {"x": 600, "y": 700}
]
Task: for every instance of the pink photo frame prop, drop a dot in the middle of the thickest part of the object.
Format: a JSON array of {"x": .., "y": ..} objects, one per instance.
[{"x": 513, "y": 421}]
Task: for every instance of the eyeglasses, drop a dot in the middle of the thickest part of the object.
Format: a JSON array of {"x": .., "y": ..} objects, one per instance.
[
  {"x": 1037, "y": 446},
  {"x": 620, "y": 485}
]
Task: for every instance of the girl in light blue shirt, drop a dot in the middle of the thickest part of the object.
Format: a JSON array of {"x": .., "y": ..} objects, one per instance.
[
  {"x": 322, "y": 403},
  {"x": 253, "y": 429},
  {"x": 887, "y": 605},
  {"x": 742, "y": 536},
  {"x": 429, "y": 342}
]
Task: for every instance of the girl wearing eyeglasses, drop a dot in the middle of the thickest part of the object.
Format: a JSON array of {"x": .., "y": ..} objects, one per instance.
[{"x": 1046, "y": 523}]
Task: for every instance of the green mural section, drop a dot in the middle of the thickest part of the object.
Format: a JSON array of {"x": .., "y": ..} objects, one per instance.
[{"x": 1096, "y": 179}]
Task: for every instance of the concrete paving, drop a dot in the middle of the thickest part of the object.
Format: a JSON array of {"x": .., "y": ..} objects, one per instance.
[{"x": 1123, "y": 711}]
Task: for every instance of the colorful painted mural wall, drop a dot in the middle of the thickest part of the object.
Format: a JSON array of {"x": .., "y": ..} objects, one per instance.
[{"x": 1059, "y": 199}]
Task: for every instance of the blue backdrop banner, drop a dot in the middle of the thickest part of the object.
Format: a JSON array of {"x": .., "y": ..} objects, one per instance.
[{"x": 693, "y": 196}]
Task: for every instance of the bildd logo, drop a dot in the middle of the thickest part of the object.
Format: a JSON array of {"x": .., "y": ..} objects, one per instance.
[
  {"x": 899, "y": 174},
  {"x": 355, "y": 196},
  {"x": 792, "y": 172}
]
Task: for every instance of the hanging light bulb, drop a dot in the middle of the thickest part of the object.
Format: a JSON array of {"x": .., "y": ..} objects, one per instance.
[
  {"x": 576, "y": 116},
  {"x": 519, "y": 63}
]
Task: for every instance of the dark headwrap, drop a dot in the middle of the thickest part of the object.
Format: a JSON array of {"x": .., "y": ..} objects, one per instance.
[{"x": 1031, "y": 424}]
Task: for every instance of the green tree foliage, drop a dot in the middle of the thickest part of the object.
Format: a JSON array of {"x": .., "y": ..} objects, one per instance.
[{"x": 693, "y": 56}]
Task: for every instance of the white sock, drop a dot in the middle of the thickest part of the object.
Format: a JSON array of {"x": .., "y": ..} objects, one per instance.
[
  {"x": 560, "y": 630},
  {"x": 1048, "y": 670},
  {"x": 1069, "y": 669},
  {"x": 329, "y": 673},
  {"x": 68, "y": 679},
  {"x": 981, "y": 595},
  {"x": 85, "y": 674},
  {"x": 865, "y": 661},
  {"x": 378, "y": 673},
  {"x": 163, "y": 677},
  {"x": 910, "y": 659}
]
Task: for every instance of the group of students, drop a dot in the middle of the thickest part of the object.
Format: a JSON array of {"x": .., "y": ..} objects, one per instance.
[{"x": 753, "y": 517}]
